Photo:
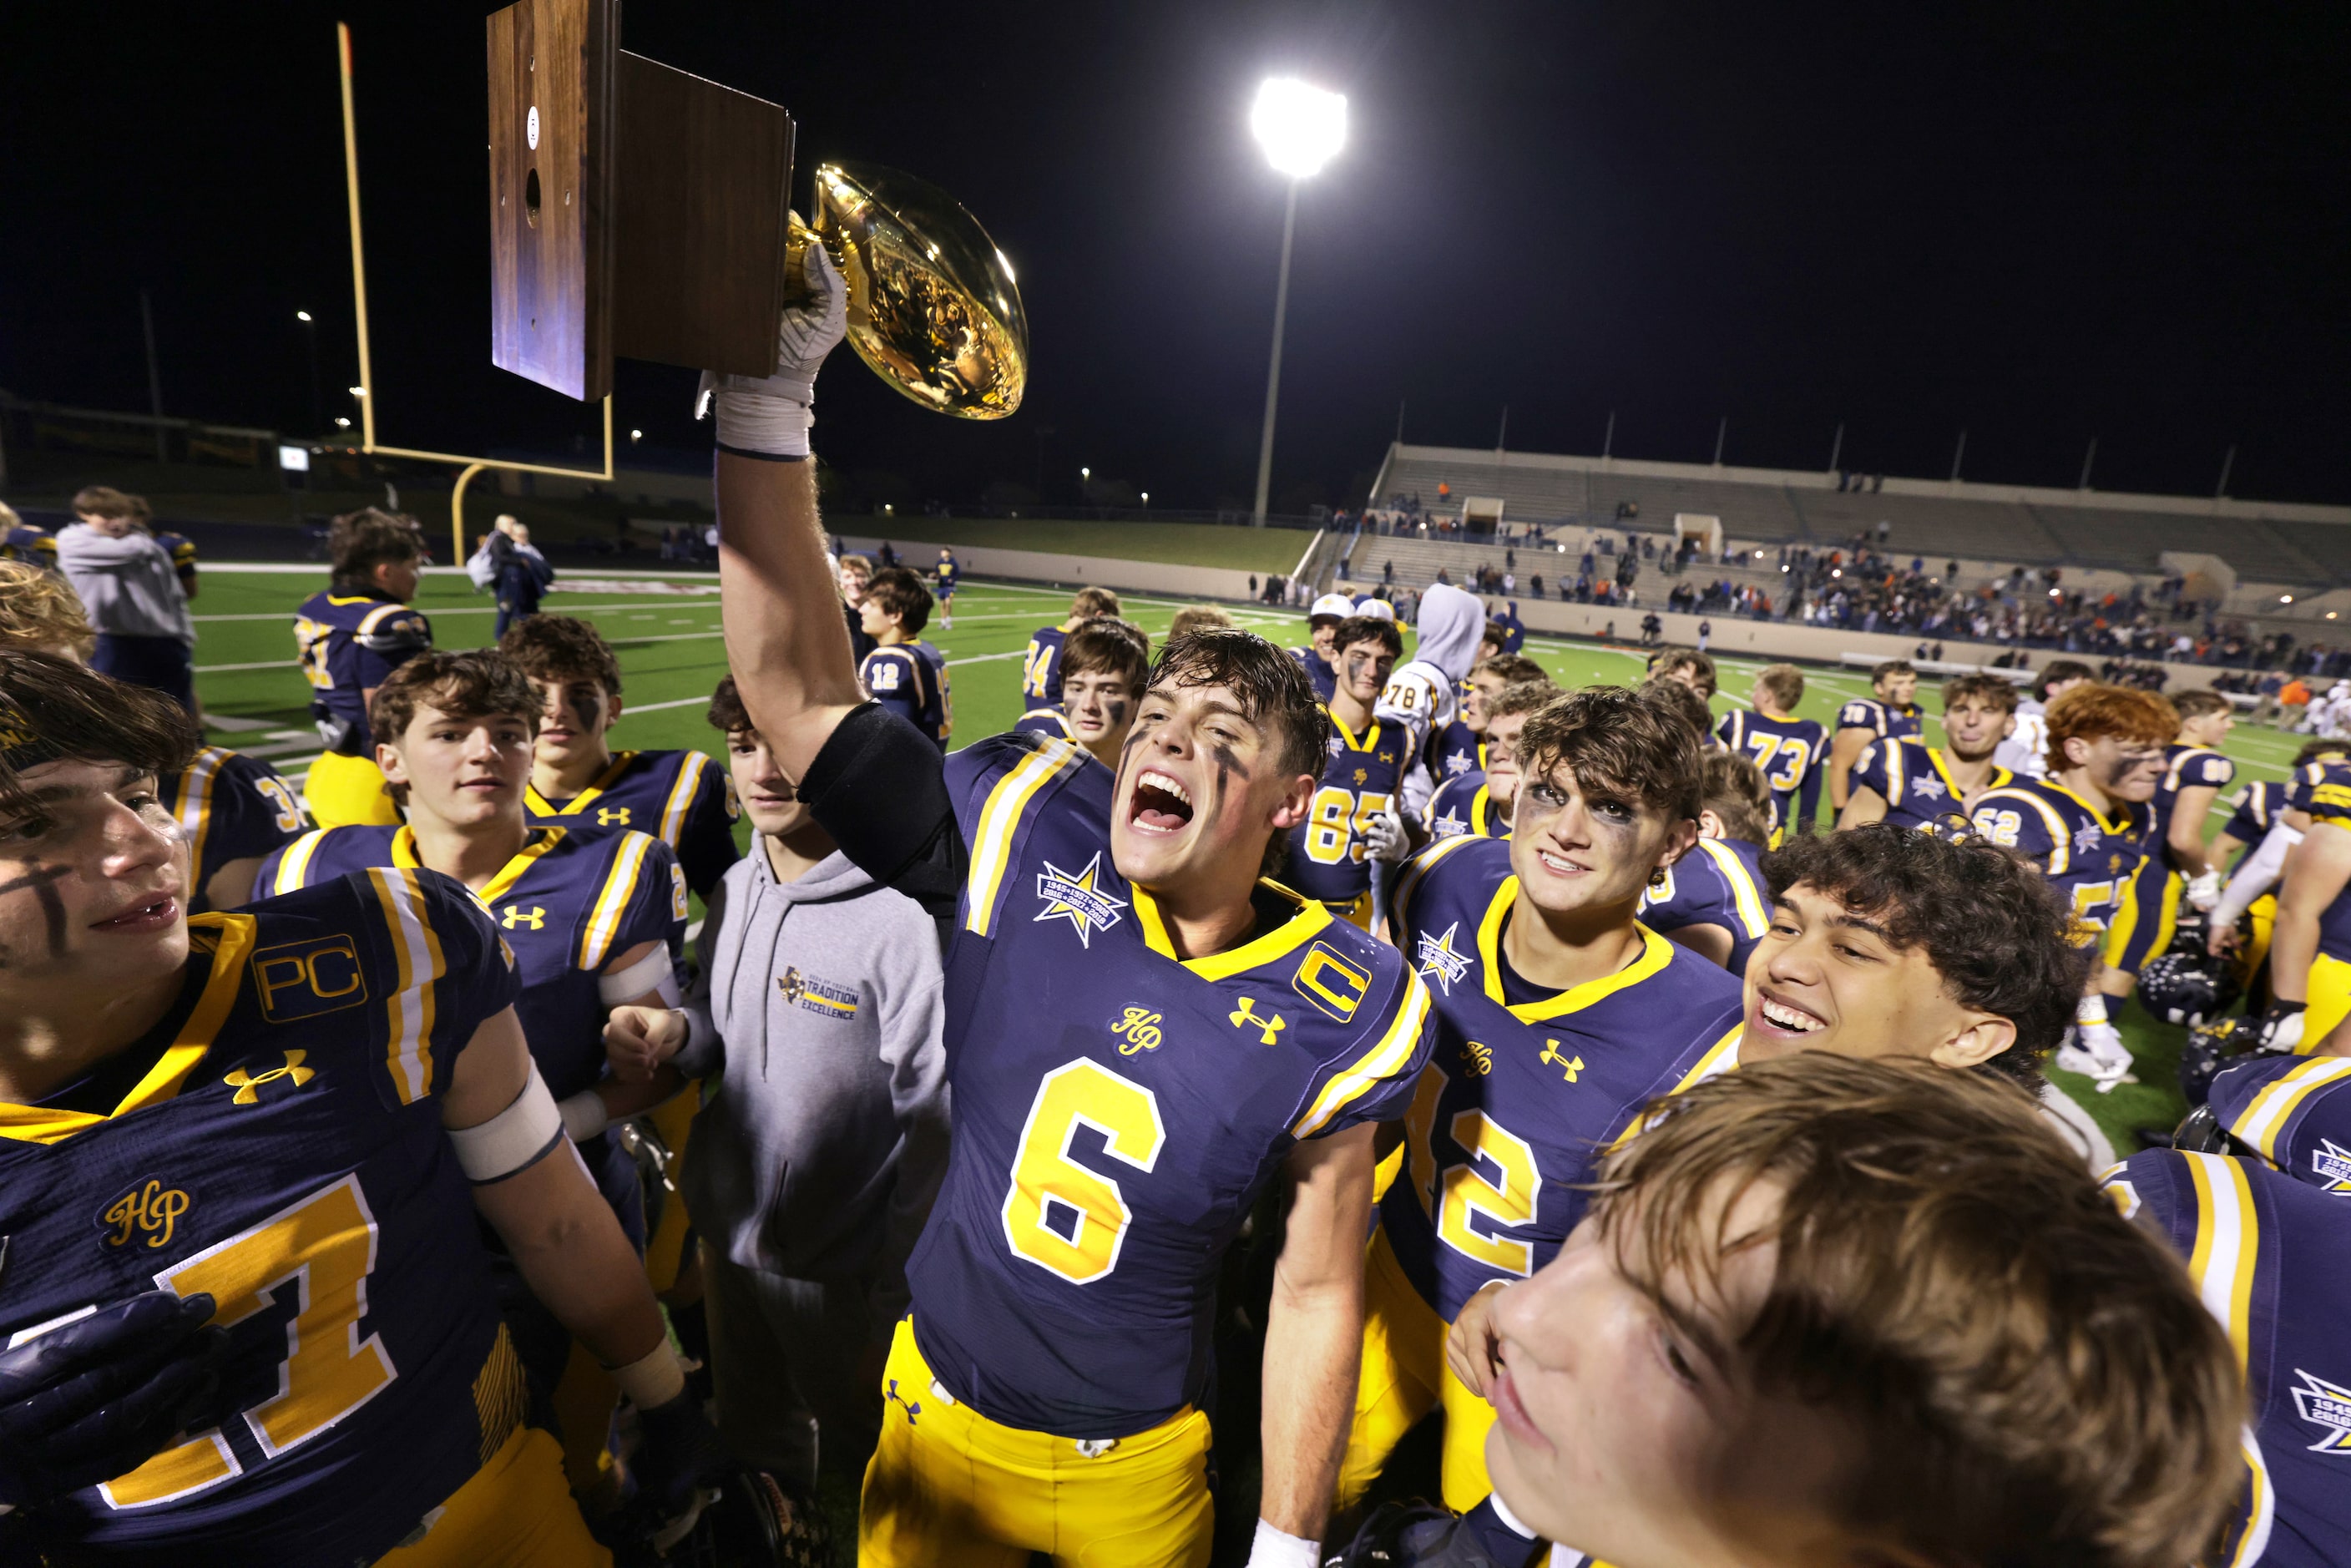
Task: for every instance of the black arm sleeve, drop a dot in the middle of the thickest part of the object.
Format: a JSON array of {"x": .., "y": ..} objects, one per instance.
[{"x": 879, "y": 787}]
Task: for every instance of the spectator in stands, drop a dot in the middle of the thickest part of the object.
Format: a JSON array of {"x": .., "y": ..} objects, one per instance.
[
  {"x": 131, "y": 590},
  {"x": 1704, "y": 634},
  {"x": 1514, "y": 630}
]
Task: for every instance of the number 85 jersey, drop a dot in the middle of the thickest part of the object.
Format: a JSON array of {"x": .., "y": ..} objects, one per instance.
[
  {"x": 285, "y": 1154},
  {"x": 1118, "y": 1109}
]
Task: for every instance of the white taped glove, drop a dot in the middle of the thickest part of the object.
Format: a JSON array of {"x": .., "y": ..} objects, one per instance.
[
  {"x": 2204, "y": 891},
  {"x": 771, "y": 415},
  {"x": 1385, "y": 838},
  {"x": 2097, "y": 1050}
]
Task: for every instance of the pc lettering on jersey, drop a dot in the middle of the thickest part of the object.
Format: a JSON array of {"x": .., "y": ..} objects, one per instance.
[
  {"x": 248, "y": 1085},
  {"x": 305, "y": 979},
  {"x": 1076, "y": 898},
  {"x": 149, "y": 1214}
]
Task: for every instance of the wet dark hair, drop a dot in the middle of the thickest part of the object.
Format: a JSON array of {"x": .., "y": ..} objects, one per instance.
[
  {"x": 559, "y": 648},
  {"x": 1667, "y": 661},
  {"x": 1110, "y": 646},
  {"x": 727, "y": 711},
  {"x": 900, "y": 593},
  {"x": 1271, "y": 686},
  {"x": 52, "y": 710},
  {"x": 1618, "y": 741},
  {"x": 1988, "y": 921},
  {"x": 474, "y": 684},
  {"x": 358, "y": 542},
  {"x": 1377, "y": 629}
]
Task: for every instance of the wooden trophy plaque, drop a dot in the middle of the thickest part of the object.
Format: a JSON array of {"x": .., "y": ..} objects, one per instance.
[{"x": 634, "y": 209}]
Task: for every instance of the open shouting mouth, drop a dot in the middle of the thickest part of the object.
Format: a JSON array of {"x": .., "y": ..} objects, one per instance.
[{"x": 1160, "y": 804}]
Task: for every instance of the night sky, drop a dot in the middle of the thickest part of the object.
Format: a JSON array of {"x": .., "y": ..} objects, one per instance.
[{"x": 2041, "y": 223}]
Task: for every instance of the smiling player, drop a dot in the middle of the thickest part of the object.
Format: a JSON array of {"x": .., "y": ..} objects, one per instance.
[
  {"x": 1903, "y": 780},
  {"x": 1103, "y": 666},
  {"x": 1142, "y": 1035}
]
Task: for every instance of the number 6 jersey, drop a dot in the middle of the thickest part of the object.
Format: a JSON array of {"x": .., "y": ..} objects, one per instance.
[
  {"x": 285, "y": 1154},
  {"x": 1118, "y": 1109}
]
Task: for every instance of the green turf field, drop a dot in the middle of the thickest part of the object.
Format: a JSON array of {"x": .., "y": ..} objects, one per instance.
[{"x": 666, "y": 632}]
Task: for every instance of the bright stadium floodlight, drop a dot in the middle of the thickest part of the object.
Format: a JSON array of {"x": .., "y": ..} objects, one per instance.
[
  {"x": 301, "y": 315},
  {"x": 1302, "y": 128}
]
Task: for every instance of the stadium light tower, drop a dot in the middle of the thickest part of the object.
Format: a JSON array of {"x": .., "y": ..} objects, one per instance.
[{"x": 1302, "y": 128}]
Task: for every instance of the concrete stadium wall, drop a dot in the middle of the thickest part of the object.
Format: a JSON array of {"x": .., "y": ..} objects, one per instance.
[{"x": 1075, "y": 570}]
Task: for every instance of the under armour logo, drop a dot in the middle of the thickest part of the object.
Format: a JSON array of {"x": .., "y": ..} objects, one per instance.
[
  {"x": 1570, "y": 1065},
  {"x": 516, "y": 915},
  {"x": 912, "y": 1409},
  {"x": 1245, "y": 1016},
  {"x": 611, "y": 815},
  {"x": 248, "y": 1085}
]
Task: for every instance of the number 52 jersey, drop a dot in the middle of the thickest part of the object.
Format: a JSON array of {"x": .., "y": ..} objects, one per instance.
[
  {"x": 1117, "y": 1109},
  {"x": 286, "y": 1155}
]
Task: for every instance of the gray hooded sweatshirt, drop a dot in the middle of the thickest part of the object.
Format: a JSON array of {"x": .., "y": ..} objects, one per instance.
[{"x": 815, "y": 1022}]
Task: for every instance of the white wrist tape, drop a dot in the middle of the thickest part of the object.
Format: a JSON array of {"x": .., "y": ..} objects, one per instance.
[
  {"x": 649, "y": 973},
  {"x": 584, "y": 1116},
  {"x": 515, "y": 1139},
  {"x": 1278, "y": 1549},
  {"x": 2091, "y": 1010},
  {"x": 656, "y": 1379},
  {"x": 761, "y": 421}
]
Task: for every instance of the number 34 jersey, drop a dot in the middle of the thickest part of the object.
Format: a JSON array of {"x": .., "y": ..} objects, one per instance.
[
  {"x": 1527, "y": 1088},
  {"x": 1118, "y": 1109},
  {"x": 286, "y": 1155}
]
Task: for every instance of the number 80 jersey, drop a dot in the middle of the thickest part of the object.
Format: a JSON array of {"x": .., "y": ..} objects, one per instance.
[
  {"x": 1117, "y": 1110},
  {"x": 286, "y": 1155}
]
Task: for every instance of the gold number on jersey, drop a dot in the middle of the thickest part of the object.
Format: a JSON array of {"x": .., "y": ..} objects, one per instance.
[
  {"x": 290, "y": 815},
  {"x": 1059, "y": 1215},
  {"x": 2000, "y": 827},
  {"x": 1506, "y": 1198},
  {"x": 2093, "y": 901},
  {"x": 323, "y": 1249},
  {"x": 1337, "y": 822},
  {"x": 1032, "y": 671},
  {"x": 310, "y": 642},
  {"x": 1792, "y": 771}
]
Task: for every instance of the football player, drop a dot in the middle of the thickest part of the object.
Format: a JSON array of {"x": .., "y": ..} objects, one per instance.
[
  {"x": 2321, "y": 764},
  {"x": 1103, "y": 666},
  {"x": 232, "y": 808},
  {"x": 1461, "y": 747},
  {"x": 945, "y": 576},
  {"x": 1322, "y": 618},
  {"x": 1887, "y": 713},
  {"x": 1787, "y": 749},
  {"x": 2310, "y": 946},
  {"x": 2259, "y": 809},
  {"x": 1693, "y": 668},
  {"x": 2025, "y": 752},
  {"x": 1040, "y": 667},
  {"x": 1479, "y": 803},
  {"x": 593, "y": 920},
  {"x": 904, "y": 674},
  {"x": 1560, "y": 1016},
  {"x": 1421, "y": 697},
  {"x": 2087, "y": 825},
  {"x": 1117, "y": 1110},
  {"x": 578, "y": 782},
  {"x": 853, "y": 572},
  {"x": 21, "y": 541},
  {"x": 2178, "y": 863},
  {"x": 1772, "y": 1343},
  {"x": 287, "y": 1119},
  {"x": 1352, "y": 820},
  {"x": 1713, "y": 901},
  {"x": 1907, "y": 782},
  {"x": 349, "y": 638}
]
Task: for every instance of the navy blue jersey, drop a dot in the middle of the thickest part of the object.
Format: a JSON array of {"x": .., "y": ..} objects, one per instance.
[
  {"x": 2189, "y": 767},
  {"x": 1319, "y": 670},
  {"x": 1881, "y": 719},
  {"x": 566, "y": 906},
  {"x": 2255, "y": 806},
  {"x": 34, "y": 546},
  {"x": 1118, "y": 1109},
  {"x": 183, "y": 552},
  {"x": 685, "y": 798},
  {"x": 1040, "y": 667},
  {"x": 945, "y": 575},
  {"x": 2294, "y": 1112},
  {"x": 2087, "y": 857},
  {"x": 230, "y": 806},
  {"x": 1463, "y": 805},
  {"x": 1914, "y": 780},
  {"x": 1527, "y": 1088},
  {"x": 2271, "y": 1258},
  {"x": 347, "y": 644},
  {"x": 1049, "y": 722},
  {"x": 286, "y": 1155},
  {"x": 1788, "y": 752},
  {"x": 1455, "y": 750},
  {"x": 1327, "y": 859},
  {"x": 2321, "y": 783},
  {"x": 910, "y": 679},
  {"x": 1719, "y": 882}
]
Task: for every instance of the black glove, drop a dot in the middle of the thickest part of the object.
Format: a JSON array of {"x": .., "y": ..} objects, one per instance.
[
  {"x": 681, "y": 1451},
  {"x": 99, "y": 1396}
]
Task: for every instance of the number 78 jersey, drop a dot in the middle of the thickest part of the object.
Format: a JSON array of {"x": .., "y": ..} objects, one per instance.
[{"x": 286, "y": 1155}]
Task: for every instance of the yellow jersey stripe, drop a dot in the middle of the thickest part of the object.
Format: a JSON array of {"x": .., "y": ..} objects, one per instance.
[
  {"x": 2261, "y": 1505},
  {"x": 2060, "y": 839},
  {"x": 2266, "y": 1115},
  {"x": 612, "y": 902},
  {"x": 992, "y": 849},
  {"x": 1656, "y": 954},
  {"x": 1721, "y": 1057},
  {"x": 1420, "y": 868},
  {"x": 294, "y": 865},
  {"x": 681, "y": 797},
  {"x": 196, "y": 803},
  {"x": 1384, "y": 1061},
  {"x": 1754, "y": 910},
  {"x": 2228, "y": 1235},
  {"x": 416, "y": 950}
]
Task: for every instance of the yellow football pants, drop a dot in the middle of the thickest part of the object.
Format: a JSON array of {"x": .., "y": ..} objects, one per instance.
[
  {"x": 950, "y": 1489},
  {"x": 1404, "y": 1377},
  {"x": 2330, "y": 1000},
  {"x": 347, "y": 792},
  {"x": 514, "y": 1513}
]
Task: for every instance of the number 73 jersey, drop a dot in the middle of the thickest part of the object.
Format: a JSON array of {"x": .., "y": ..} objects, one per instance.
[
  {"x": 2087, "y": 856},
  {"x": 1526, "y": 1089},
  {"x": 284, "y": 1155}
]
